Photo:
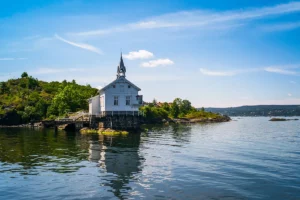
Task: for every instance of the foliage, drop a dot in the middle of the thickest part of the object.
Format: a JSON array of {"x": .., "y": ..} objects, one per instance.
[
  {"x": 177, "y": 109},
  {"x": 24, "y": 75},
  {"x": 202, "y": 114},
  {"x": 33, "y": 99},
  {"x": 153, "y": 112},
  {"x": 70, "y": 99},
  {"x": 180, "y": 108}
]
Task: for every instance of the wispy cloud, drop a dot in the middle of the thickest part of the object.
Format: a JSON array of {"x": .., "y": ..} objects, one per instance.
[
  {"x": 162, "y": 77},
  {"x": 32, "y": 37},
  {"x": 217, "y": 73},
  {"x": 286, "y": 70},
  {"x": 289, "y": 94},
  {"x": 293, "y": 82},
  {"x": 280, "y": 71},
  {"x": 80, "y": 45},
  {"x": 141, "y": 54},
  {"x": 281, "y": 26},
  {"x": 200, "y": 18},
  {"x": 156, "y": 63},
  {"x": 9, "y": 59},
  {"x": 40, "y": 71}
]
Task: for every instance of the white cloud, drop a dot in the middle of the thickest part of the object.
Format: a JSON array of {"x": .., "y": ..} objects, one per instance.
[
  {"x": 9, "y": 59},
  {"x": 80, "y": 45},
  {"x": 217, "y": 73},
  {"x": 289, "y": 94},
  {"x": 201, "y": 18},
  {"x": 141, "y": 54},
  {"x": 293, "y": 82},
  {"x": 5, "y": 59},
  {"x": 281, "y": 27},
  {"x": 156, "y": 63},
  {"x": 280, "y": 71}
]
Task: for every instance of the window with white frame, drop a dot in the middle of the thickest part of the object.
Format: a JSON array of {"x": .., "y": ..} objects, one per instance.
[
  {"x": 116, "y": 100},
  {"x": 128, "y": 100}
]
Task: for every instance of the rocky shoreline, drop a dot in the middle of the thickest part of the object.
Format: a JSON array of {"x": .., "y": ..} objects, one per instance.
[
  {"x": 153, "y": 121},
  {"x": 35, "y": 125},
  {"x": 224, "y": 118},
  {"x": 202, "y": 120}
]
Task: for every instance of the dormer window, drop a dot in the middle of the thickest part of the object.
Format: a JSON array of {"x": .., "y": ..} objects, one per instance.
[
  {"x": 129, "y": 86},
  {"x": 114, "y": 86}
]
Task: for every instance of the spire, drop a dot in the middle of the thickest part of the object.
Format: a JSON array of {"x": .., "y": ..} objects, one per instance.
[
  {"x": 121, "y": 62},
  {"x": 121, "y": 68}
]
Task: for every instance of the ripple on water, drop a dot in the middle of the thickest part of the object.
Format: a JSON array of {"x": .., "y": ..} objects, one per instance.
[{"x": 251, "y": 158}]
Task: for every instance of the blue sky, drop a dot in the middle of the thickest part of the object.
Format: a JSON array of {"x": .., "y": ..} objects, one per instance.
[{"x": 210, "y": 52}]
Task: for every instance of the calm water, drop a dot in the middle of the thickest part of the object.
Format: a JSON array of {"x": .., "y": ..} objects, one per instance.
[{"x": 250, "y": 158}]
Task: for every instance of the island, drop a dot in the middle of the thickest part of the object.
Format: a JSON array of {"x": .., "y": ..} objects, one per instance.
[
  {"x": 281, "y": 119},
  {"x": 27, "y": 100}
]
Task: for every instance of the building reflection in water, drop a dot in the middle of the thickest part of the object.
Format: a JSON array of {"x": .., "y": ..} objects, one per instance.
[{"x": 120, "y": 156}]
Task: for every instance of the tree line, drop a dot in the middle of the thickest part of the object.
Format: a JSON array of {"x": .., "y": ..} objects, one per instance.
[
  {"x": 27, "y": 98},
  {"x": 177, "y": 109}
]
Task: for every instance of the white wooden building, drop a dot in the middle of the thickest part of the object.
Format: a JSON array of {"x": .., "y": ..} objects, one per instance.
[{"x": 120, "y": 97}]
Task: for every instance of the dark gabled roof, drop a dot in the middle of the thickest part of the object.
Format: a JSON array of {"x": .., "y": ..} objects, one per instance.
[{"x": 125, "y": 80}]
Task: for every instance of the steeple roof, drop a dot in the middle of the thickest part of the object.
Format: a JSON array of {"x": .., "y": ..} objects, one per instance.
[
  {"x": 121, "y": 62},
  {"x": 121, "y": 68}
]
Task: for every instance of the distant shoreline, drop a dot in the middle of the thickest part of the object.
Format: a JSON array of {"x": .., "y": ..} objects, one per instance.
[{"x": 259, "y": 111}]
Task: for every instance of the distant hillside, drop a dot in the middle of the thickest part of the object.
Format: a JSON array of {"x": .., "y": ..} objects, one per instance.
[
  {"x": 260, "y": 110},
  {"x": 26, "y": 98}
]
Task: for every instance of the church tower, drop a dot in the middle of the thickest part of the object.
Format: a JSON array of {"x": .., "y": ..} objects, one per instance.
[
  {"x": 120, "y": 97},
  {"x": 121, "y": 68}
]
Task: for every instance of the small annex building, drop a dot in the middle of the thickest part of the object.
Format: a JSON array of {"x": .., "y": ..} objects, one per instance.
[{"x": 120, "y": 97}]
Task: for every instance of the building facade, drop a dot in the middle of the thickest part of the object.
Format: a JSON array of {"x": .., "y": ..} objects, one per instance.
[{"x": 119, "y": 97}]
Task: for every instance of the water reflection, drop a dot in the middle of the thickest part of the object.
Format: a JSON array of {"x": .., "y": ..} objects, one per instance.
[
  {"x": 181, "y": 133},
  {"x": 118, "y": 156},
  {"x": 29, "y": 150}
]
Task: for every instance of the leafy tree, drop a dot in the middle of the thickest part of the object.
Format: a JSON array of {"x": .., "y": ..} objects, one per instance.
[
  {"x": 3, "y": 87},
  {"x": 166, "y": 106},
  {"x": 185, "y": 107},
  {"x": 178, "y": 108},
  {"x": 175, "y": 107},
  {"x": 32, "y": 82},
  {"x": 30, "y": 99},
  {"x": 70, "y": 99},
  {"x": 24, "y": 75}
]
